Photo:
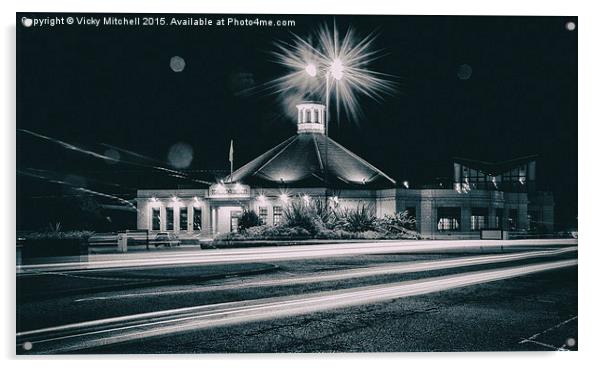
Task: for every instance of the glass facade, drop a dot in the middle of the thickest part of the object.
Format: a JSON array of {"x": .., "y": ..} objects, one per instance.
[{"x": 516, "y": 179}]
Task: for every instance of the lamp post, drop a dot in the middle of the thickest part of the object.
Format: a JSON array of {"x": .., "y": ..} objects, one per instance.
[{"x": 335, "y": 71}]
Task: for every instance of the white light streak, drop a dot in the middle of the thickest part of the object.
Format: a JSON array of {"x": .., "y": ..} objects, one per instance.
[
  {"x": 263, "y": 254},
  {"x": 389, "y": 269},
  {"x": 134, "y": 327}
]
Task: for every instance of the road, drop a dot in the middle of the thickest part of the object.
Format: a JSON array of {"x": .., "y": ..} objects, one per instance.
[{"x": 391, "y": 296}]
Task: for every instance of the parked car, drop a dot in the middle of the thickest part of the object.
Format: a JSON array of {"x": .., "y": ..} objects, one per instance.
[{"x": 166, "y": 239}]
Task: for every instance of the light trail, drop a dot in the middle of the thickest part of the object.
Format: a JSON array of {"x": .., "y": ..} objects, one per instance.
[
  {"x": 92, "y": 334},
  {"x": 396, "y": 268},
  {"x": 279, "y": 253},
  {"x": 93, "y": 154}
]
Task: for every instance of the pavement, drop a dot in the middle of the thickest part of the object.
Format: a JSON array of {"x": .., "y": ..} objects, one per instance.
[{"x": 445, "y": 296}]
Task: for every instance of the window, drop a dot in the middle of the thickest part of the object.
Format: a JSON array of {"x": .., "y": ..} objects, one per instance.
[
  {"x": 156, "y": 218},
  {"x": 515, "y": 178},
  {"x": 499, "y": 217},
  {"x": 184, "y": 218},
  {"x": 412, "y": 215},
  {"x": 263, "y": 215},
  {"x": 234, "y": 217},
  {"x": 448, "y": 218},
  {"x": 196, "y": 219},
  {"x": 474, "y": 178},
  {"x": 512, "y": 220},
  {"x": 534, "y": 221},
  {"x": 169, "y": 218},
  {"x": 478, "y": 219},
  {"x": 277, "y": 215}
]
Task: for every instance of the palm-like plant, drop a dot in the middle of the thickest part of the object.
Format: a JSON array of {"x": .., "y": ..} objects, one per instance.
[
  {"x": 360, "y": 219},
  {"x": 298, "y": 214}
]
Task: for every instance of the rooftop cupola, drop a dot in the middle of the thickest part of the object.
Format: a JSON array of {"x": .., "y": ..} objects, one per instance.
[{"x": 311, "y": 117}]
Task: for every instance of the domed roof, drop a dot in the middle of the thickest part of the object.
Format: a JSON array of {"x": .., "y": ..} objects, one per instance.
[{"x": 301, "y": 160}]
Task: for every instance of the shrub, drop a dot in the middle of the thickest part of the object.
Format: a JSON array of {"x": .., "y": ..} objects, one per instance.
[
  {"x": 56, "y": 243},
  {"x": 335, "y": 234},
  {"x": 248, "y": 219},
  {"x": 356, "y": 220},
  {"x": 400, "y": 224},
  {"x": 266, "y": 232},
  {"x": 301, "y": 215},
  {"x": 61, "y": 235},
  {"x": 323, "y": 213}
]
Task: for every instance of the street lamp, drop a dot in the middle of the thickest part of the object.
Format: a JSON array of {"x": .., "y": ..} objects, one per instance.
[
  {"x": 345, "y": 59},
  {"x": 334, "y": 70}
]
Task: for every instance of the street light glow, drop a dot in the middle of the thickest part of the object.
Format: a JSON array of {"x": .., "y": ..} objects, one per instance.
[
  {"x": 336, "y": 69},
  {"x": 306, "y": 199},
  {"x": 283, "y": 197},
  {"x": 311, "y": 69},
  {"x": 345, "y": 57}
]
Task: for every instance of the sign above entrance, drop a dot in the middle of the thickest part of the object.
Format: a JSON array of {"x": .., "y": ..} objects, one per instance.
[{"x": 229, "y": 190}]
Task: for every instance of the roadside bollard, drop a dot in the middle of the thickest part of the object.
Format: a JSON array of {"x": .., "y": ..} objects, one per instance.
[{"x": 122, "y": 243}]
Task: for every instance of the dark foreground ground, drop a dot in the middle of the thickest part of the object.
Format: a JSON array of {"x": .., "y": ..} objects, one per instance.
[{"x": 532, "y": 312}]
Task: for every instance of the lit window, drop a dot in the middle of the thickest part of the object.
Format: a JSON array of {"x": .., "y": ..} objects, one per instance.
[
  {"x": 448, "y": 218},
  {"x": 478, "y": 219},
  {"x": 156, "y": 219},
  {"x": 263, "y": 215},
  {"x": 184, "y": 219},
  {"x": 169, "y": 218},
  {"x": 196, "y": 219},
  {"x": 277, "y": 215}
]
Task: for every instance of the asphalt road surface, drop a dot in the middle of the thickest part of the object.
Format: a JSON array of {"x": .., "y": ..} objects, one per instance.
[{"x": 392, "y": 296}]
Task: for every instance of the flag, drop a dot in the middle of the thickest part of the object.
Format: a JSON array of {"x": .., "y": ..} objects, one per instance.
[{"x": 231, "y": 157}]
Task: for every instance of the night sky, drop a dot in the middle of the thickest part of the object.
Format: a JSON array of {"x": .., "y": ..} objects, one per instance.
[{"x": 113, "y": 85}]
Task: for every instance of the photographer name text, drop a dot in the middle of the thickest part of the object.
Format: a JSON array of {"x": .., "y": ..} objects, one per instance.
[{"x": 156, "y": 21}]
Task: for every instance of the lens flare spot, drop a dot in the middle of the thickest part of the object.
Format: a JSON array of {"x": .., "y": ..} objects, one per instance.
[
  {"x": 177, "y": 64},
  {"x": 180, "y": 155}
]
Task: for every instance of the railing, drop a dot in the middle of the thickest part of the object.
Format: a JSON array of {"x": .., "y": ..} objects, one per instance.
[
  {"x": 515, "y": 186},
  {"x": 145, "y": 240}
]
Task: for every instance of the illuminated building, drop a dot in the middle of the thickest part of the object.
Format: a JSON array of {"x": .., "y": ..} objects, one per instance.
[{"x": 310, "y": 165}]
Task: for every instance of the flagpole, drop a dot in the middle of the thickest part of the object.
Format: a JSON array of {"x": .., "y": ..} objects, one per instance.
[{"x": 231, "y": 157}]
